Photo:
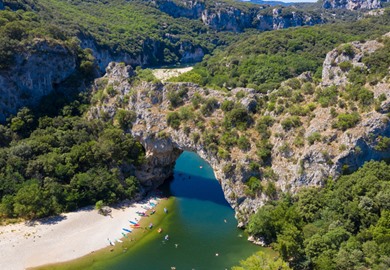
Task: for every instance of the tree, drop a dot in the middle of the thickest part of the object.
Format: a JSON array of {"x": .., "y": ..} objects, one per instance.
[{"x": 261, "y": 261}]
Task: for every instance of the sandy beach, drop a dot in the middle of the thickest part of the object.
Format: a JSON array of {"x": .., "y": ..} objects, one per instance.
[
  {"x": 63, "y": 238},
  {"x": 164, "y": 74}
]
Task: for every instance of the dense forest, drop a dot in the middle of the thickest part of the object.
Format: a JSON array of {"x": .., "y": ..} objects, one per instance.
[
  {"x": 264, "y": 60},
  {"x": 345, "y": 225},
  {"x": 49, "y": 165}
]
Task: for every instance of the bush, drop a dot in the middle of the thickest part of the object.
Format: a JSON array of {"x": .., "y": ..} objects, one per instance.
[
  {"x": 383, "y": 144},
  {"x": 345, "y": 66},
  {"x": 291, "y": 122},
  {"x": 346, "y": 121},
  {"x": 243, "y": 143},
  {"x": 327, "y": 96},
  {"x": 253, "y": 186},
  {"x": 173, "y": 120},
  {"x": 314, "y": 137},
  {"x": 209, "y": 106},
  {"x": 237, "y": 117}
]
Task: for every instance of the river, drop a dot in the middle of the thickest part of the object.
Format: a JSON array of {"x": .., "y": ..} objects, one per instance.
[{"x": 202, "y": 230}]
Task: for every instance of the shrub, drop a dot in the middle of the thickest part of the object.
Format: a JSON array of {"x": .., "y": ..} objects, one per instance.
[
  {"x": 345, "y": 66},
  {"x": 227, "y": 105},
  {"x": 176, "y": 97},
  {"x": 314, "y": 137},
  {"x": 253, "y": 185},
  {"x": 383, "y": 144},
  {"x": 348, "y": 50},
  {"x": 243, "y": 143},
  {"x": 223, "y": 154},
  {"x": 291, "y": 122},
  {"x": 327, "y": 96},
  {"x": 125, "y": 118},
  {"x": 237, "y": 117},
  {"x": 173, "y": 120},
  {"x": 346, "y": 121},
  {"x": 209, "y": 106}
]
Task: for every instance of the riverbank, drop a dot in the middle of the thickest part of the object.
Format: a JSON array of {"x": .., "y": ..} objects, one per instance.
[{"x": 71, "y": 235}]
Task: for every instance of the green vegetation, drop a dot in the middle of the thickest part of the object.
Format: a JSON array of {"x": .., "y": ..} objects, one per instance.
[
  {"x": 263, "y": 61},
  {"x": 383, "y": 144},
  {"x": 55, "y": 164},
  {"x": 136, "y": 28},
  {"x": 261, "y": 261},
  {"x": 19, "y": 28},
  {"x": 344, "y": 225},
  {"x": 346, "y": 120}
]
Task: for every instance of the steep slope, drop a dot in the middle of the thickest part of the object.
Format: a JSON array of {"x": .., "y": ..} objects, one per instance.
[
  {"x": 233, "y": 16},
  {"x": 260, "y": 145},
  {"x": 353, "y": 5},
  {"x": 262, "y": 61},
  {"x": 82, "y": 37}
]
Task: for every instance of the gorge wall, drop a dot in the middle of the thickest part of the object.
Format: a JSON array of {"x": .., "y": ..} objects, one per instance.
[
  {"x": 353, "y": 4},
  {"x": 223, "y": 16},
  {"x": 36, "y": 72},
  {"x": 289, "y": 168}
]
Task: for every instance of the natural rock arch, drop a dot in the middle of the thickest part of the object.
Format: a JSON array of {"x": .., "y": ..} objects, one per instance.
[{"x": 163, "y": 143}]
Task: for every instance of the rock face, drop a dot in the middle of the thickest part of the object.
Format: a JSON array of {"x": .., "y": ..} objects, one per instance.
[
  {"x": 222, "y": 16},
  {"x": 35, "y": 73},
  {"x": 353, "y": 4},
  {"x": 353, "y": 53},
  {"x": 152, "y": 53},
  {"x": 290, "y": 169}
]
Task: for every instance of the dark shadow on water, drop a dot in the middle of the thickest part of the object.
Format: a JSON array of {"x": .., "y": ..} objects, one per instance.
[{"x": 184, "y": 185}]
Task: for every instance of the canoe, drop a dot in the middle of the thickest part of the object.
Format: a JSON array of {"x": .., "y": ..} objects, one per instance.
[{"x": 127, "y": 230}]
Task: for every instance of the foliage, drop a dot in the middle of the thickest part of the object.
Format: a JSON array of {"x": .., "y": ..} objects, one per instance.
[
  {"x": 346, "y": 120},
  {"x": 65, "y": 163},
  {"x": 237, "y": 117},
  {"x": 327, "y": 96},
  {"x": 383, "y": 144},
  {"x": 253, "y": 185},
  {"x": 314, "y": 137},
  {"x": 345, "y": 225},
  {"x": 291, "y": 122},
  {"x": 264, "y": 60},
  {"x": 261, "y": 261}
]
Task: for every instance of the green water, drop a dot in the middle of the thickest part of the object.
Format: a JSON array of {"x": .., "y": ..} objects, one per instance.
[{"x": 195, "y": 222}]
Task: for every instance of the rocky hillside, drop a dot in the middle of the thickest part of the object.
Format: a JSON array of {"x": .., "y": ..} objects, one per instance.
[
  {"x": 259, "y": 145},
  {"x": 140, "y": 33},
  {"x": 227, "y": 16},
  {"x": 353, "y": 4},
  {"x": 36, "y": 72}
]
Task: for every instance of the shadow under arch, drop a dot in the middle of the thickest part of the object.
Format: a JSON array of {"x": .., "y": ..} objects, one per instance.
[{"x": 193, "y": 178}]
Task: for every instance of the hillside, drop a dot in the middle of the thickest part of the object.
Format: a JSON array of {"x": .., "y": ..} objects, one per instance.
[
  {"x": 56, "y": 46},
  {"x": 264, "y": 60},
  {"x": 261, "y": 145}
]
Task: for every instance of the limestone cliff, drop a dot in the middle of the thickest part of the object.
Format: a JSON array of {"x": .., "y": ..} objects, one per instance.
[
  {"x": 36, "y": 72},
  {"x": 223, "y": 16},
  {"x": 353, "y": 4},
  {"x": 303, "y": 155}
]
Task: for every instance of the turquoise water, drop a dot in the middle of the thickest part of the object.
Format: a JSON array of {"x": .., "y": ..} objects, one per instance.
[{"x": 196, "y": 226}]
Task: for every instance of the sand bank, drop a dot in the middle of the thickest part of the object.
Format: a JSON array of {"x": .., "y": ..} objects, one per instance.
[
  {"x": 164, "y": 74},
  {"x": 63, "y": 238}
]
